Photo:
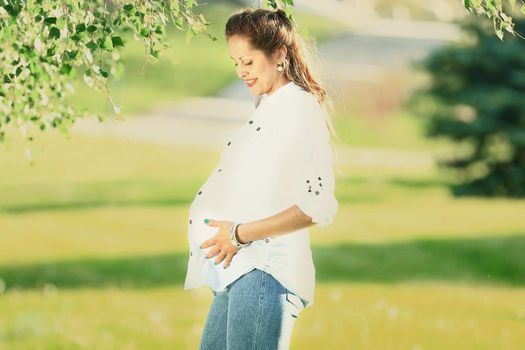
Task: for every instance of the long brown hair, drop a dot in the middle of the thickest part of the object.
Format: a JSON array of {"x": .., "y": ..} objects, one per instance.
[{"x": 269, "y": 30}]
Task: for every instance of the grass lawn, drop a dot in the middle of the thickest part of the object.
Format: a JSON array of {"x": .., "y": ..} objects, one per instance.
[
  {"x": 346, "y": 316},
  {"x": 93, "y": 255}
]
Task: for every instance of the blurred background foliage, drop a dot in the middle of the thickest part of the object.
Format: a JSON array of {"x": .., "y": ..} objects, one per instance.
[{"x": 480, "y": 107}]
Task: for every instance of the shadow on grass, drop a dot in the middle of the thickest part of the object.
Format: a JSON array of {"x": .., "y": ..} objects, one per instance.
[
  {"x": 478, "y": 261},
  {"x": 48, "y": 197},
  {"x": 42, "y": 197},
  {"x": 41, "y": 207},
  {"x": 418, "y": 183}
]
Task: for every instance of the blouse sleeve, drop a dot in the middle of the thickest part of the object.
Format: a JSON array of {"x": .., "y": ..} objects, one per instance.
[{"x": 307, "y": 161}]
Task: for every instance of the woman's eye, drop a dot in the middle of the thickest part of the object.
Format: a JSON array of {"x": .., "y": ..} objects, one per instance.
[{"x": 246, "y": 64}]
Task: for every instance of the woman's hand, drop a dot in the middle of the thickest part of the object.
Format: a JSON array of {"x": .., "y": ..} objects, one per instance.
[{"x": 221, "y": 243}]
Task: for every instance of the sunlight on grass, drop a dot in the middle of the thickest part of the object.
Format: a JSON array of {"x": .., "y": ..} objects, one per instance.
[{"x": 365, "y": 316}]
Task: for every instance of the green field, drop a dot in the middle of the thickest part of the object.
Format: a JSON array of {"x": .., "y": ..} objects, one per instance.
[{"x": 93, "y": 253}]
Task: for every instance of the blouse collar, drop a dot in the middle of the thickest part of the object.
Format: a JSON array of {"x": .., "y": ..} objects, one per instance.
[{"x": 282, "y": 89}]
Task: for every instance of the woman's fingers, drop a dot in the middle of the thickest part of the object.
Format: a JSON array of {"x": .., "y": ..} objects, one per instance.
[
  {"x": 220, "y": 257},
  {"x": 213, "y": 252},
  {"x": 226, "y": 255},
  {"x": 229, "y": 257},
  {"x": 228, "y": 260}
]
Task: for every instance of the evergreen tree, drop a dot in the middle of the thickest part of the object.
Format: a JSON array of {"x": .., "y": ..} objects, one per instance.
[{"x": 476, "y": 98}]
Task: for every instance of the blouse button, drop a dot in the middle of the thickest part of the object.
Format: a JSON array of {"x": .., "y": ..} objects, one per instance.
[
  {"x": 266, "y": 240},
  {"x": 251, "y": 122},
  {"x": 191, "y": 253},
  {"x": 190, "y": 221},
  {"x": 259, "y": 128},
  {"x": 199, "y": 192},
  {"x": 229, "y": 143}
]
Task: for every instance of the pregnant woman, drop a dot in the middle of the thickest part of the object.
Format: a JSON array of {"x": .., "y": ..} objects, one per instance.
[{"x": 248, "y": 226}]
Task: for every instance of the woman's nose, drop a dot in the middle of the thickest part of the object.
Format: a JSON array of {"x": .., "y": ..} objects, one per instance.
[{"x": 241, "y": 73}]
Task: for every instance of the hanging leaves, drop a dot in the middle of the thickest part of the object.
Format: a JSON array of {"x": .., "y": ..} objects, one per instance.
[
  {"x": 45, "y": 43},
  {"x": 494, "y": 9}
]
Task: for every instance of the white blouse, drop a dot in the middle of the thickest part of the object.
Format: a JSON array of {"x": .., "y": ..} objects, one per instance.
[{"x": 280, "y": 157}]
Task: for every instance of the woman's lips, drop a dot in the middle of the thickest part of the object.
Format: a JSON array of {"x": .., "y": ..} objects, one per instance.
[{"x": 251, "y": 82}]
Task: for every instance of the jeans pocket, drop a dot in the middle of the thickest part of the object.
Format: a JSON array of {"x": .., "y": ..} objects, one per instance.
[{"x": 296, "y": 303}]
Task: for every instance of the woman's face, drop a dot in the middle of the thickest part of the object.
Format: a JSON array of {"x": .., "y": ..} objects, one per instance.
[{"x": 258, "y": 71}]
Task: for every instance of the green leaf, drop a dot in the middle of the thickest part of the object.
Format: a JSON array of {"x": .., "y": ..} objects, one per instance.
[
  {"x": 128, "y": 7},
  {"x": 107, "y": 44},
  {"x": 154, "y": 53},
  {"x": 54, "y": 33},
  {"x": 145, "y": 32},
  {"x": 175, "y": 9},
  {"x": 91, "y": 28},
  {"x": 522, "y": 9},
  {"x": 92, "y": 46},
  {"x": 71, "y": 54},
  {"x": 140, "y": 16},
  {"x": 50, "y": 20},
  {"x": 117, "y": 41},
  {"x": 288, "y": 11},
  {"x": 159, "y": 30},
  {"x": 80, "y": 28},
  {"x": 61, "y": 23},
  {"x": 499, "y": 33},
  {"x": 65, "y": 69},
  {"x": 179, "y": 23}
]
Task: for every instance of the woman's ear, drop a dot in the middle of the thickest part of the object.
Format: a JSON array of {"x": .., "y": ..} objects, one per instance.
[{"x": 280, "y": 55}]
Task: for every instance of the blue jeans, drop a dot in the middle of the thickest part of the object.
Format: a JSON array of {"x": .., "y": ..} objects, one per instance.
[{"x": 254, "y": 312}]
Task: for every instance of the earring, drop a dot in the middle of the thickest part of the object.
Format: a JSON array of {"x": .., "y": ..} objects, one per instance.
[{"x": 280, "y": 67}]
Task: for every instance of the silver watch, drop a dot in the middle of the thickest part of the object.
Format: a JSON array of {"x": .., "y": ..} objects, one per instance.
[{"x": 233, "y": 236}]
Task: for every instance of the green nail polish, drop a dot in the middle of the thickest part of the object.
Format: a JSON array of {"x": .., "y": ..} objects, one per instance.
[{"x": 206, "y": 221}]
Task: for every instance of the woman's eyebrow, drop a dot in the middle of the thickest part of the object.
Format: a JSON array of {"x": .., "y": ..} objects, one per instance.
[{"x": 239, "y": 57}]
